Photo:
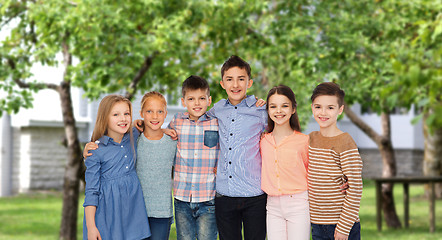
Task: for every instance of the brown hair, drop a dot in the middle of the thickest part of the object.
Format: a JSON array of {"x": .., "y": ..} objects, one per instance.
[
  {"x": 329, "y": 89},
  {"x": 153, "y": 94},
  {"x": 195, "y": 83},
  {"x": 235, "y": 61},
  {"x": 286, "y": 91},
  {"x": 106, "y": 104}
]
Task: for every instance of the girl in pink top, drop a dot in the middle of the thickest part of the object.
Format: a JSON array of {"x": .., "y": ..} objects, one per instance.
[{"x": 284, "y": 151}]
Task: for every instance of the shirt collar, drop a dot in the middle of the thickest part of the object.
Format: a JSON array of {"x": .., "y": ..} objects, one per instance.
[
  {"x": 203, "y": 117},
  {"x": 250, "y": 100},
  {"x": 106, "y": 139}
]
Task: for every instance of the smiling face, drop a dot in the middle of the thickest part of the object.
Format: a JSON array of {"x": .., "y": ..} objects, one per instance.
[
  {"x": 196, "y": 101},
  {"x": 236, "y": 82},
  {"x": 153, "y": 113},
  {"x": 119, "y": 121},
  {"x": 280, "y": 109},
  {"x": 326, "y": 110}
]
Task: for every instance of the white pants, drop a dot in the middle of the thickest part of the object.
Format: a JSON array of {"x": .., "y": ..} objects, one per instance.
[{"x": 288, "y": 217}]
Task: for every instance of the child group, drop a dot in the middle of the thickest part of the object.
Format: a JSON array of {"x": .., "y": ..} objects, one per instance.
[{"x": 227, "y": 173}]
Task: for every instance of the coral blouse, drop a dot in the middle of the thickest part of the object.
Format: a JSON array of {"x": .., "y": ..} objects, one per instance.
[{"x": 284, "y": 166}]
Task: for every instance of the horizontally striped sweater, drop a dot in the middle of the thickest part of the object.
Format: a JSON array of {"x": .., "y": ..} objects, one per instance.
[{"x": 330, "y": 159}]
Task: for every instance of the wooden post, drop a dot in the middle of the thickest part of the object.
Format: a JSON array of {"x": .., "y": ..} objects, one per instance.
[
  {"x": 406, "y": 204},
  {"x": 432, "y": 210},
  {"x": 379, "y": 205}
]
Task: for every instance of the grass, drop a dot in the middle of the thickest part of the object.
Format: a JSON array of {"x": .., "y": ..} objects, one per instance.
[
  {"x": 37, "y": 216},
  {"x": 418, "y": 215}
]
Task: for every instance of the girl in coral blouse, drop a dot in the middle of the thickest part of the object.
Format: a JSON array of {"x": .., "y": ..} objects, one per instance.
[{"x": 284, "y": 151}]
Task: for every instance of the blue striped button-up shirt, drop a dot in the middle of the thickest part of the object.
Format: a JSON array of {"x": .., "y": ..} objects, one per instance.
[{"x": 239, "y": 162}]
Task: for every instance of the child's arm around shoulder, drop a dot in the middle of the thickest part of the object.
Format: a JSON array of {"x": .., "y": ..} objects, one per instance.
[{"x": 89, "y": 146}]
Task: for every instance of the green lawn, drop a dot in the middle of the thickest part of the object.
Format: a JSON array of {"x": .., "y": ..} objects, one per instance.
[{"x": 37, "y": 216}]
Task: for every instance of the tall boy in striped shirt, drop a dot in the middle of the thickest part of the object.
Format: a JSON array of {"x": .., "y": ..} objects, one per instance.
[{"x": 333, "y": 159}]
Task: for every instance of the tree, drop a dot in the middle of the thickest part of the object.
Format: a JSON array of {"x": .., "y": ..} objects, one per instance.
[
  {"x": 356, "y": 44},
  {"x": 36, "y": 38},
  {"x": 418, "y": 76}
]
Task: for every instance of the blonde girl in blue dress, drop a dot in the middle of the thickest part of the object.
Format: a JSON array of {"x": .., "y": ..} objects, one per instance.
[{"x": 114, "y": 206}]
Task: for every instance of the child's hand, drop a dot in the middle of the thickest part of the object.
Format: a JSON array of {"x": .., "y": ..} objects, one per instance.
[
  {"x": 260, "y": 102},
  {"x": 344, "y": 186},
  {"x": 93, "y": 234},
  {"x": 340, "y": 236},
  {"x": 139, "y": 125},
  {"x": 89, "y": 146},
  {"x": 171, "y": 133}
]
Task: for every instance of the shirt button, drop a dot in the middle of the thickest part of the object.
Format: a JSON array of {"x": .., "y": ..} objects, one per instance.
[
  {"x": 230, "y": 148},
  {"x": 125, "y": 156},
  {"x": 121, "y": 146},
  {"x": 231, "y": 134},
  {"x": 127, "y": 167},
  {"x": 233, "y": 120},
  {"x": 230, "y": 176},
  {"x": 236, "y": 107},
  {"x": 230, "y": 162}
]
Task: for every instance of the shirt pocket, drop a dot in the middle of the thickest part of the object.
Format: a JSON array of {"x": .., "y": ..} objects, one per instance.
[{"x": 210, "y": 138}]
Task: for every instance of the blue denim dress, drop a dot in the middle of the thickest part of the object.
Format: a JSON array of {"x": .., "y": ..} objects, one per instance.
[{"x": 112, "y": 186}]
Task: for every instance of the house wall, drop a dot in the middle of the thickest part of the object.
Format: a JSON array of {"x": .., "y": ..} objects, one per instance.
[
  {"x": 409, "y": 162},
  {"x": 39, "y": 158}
]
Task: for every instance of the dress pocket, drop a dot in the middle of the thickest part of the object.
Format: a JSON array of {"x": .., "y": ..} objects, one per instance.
[{"x": 210, "y": 138}]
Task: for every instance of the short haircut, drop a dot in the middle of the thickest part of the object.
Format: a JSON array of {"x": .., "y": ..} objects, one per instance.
[
  {"x": 195, "y": 83},
  {"x": 235, "y": 61},
  {"x": 151, "y": 95},
  {"x": 285, "y": 91},
  {"x": 329, "y": 89}
]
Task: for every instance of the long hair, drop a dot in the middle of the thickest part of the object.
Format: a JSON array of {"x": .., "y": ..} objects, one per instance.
[
  {"x": 286, "y": 91},
  {"x": 106, "y": 104}
]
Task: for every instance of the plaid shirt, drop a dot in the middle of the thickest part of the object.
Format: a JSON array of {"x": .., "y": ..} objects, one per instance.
[{"x": 196, "y": 158}]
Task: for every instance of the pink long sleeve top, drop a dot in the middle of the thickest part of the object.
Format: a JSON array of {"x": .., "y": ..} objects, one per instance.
[{"x": 284, "y": 165}]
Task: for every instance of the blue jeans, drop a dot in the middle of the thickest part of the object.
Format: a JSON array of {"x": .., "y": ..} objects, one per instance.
[
  {"x": 326, "y": 232},
  {"x": 195, "y": 220},
  {"x": 160, "y": 228},
  {"x": 234, "y": 212}
]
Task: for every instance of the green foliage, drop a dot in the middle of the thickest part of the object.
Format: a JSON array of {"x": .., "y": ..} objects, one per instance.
[{"x": 385, "y": 54}]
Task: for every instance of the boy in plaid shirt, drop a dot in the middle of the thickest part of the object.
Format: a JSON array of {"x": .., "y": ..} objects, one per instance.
[{"x": 196, "y": 159}]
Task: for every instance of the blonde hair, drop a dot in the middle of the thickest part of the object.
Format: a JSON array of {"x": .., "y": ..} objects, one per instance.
[
  {"x": 106, "y": 104},
  {"x": 153, "y": 94}
]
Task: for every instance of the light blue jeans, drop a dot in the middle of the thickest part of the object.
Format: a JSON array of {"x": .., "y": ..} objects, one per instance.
[{"x": 195, "y": 220}]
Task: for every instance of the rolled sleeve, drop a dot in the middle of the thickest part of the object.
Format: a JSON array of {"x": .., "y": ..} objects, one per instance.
[{"x": 92, "y": 176}]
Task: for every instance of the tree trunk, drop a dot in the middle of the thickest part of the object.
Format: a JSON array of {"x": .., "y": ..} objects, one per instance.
[
  {"x": 433, "y": 154},
  {"x": 68, "y": 228},
  {"x": 385, "y": 147},
  {"x": 389, "y": 170}
]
